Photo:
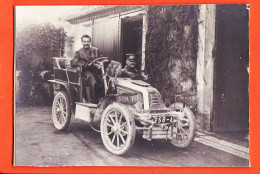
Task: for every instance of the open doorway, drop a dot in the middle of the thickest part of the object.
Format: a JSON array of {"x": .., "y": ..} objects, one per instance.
[{"x": 131, "y": 32}]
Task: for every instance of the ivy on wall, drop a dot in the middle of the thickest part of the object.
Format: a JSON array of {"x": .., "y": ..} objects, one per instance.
[{"x": 172, "y": 43}]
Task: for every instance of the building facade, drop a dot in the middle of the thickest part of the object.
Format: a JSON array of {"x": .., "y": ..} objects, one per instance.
[{"x": 199, "y": 52}]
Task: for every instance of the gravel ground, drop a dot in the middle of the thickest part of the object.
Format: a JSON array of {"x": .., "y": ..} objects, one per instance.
[{"x": 38, "y": 143}]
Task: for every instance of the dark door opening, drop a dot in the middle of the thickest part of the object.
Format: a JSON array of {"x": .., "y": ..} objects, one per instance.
[
  {"x": 231, "y": 99},
  {"x": 132, "y": 38}
]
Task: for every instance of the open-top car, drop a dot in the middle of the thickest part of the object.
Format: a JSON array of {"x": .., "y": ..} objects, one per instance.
[{"x": 127, "y": 107}]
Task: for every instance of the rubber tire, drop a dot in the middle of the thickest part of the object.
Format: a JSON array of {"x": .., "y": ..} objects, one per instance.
[
  {"x": 187, "y": 111},
  {"x": 65, "y": 125},
  {"x": 131, "y": 125}
]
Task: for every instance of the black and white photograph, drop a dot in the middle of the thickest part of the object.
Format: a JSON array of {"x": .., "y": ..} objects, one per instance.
[{"x": 131, "y": 85}]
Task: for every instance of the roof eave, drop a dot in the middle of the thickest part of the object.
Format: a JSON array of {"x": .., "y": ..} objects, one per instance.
[{"x": 70, "y": 19}]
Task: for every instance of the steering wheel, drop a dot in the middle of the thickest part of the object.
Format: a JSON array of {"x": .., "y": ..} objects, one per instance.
[{"x": 103, "y": 60}]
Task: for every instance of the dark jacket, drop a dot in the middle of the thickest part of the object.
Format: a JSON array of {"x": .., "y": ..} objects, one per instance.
[
  {"x": 129, "y": 72},
  {"x": 84, "y": 56}
]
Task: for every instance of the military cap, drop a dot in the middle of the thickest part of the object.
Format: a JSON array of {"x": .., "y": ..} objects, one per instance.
[{"x": 130, "y": 57}]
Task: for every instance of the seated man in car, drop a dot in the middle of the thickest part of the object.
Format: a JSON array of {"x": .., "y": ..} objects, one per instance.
[
  {"x": 130, "y": 70},
  {"x": 91, "y": 75}
]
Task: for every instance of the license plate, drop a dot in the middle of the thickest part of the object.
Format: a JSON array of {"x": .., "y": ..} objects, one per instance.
[{"x": 164, "y": 119}]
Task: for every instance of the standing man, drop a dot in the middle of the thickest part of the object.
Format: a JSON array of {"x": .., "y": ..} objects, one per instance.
[{"x": 91, "y": 75}]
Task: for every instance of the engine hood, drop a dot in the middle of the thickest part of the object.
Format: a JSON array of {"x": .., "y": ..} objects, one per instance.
[
  {"x": 149, "y": 93},
  {"x": 140, "y": 83}
]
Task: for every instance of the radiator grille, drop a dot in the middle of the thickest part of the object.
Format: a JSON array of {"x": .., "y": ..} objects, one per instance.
[{"x": 156, "y": 101}]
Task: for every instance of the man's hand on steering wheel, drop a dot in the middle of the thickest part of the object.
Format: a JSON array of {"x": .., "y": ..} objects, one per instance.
[
  {"x": 99, "y": 62},
  {"x": 98, "y": 65}
]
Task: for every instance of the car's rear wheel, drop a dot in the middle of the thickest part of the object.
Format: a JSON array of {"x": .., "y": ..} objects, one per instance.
[
  {"x": 117, "y": 129},
  {"x": 61, "y": 111},
  {"x": 185, "y": 130}
]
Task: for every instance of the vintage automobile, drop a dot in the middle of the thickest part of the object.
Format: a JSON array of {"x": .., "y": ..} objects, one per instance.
[{"x": 127, "y": 107}]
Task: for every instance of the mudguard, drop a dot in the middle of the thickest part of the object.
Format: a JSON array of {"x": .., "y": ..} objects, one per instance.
[{"x": 71, "y": 90}]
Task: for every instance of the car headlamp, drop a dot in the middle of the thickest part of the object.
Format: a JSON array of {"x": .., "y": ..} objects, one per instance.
[{"x": 138, "y": 106}]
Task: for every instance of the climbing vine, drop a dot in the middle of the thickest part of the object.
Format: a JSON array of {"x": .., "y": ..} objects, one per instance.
[{"x": 172, "y": 48}]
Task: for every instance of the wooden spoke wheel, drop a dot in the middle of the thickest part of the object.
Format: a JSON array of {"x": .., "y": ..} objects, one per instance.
[
  {"x": 117, "y": 129},
  {"x": 185, "y": 130},
  {"x": 61, "y": 111}
]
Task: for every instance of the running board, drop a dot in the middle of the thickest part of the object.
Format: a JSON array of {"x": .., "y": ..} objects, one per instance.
[{"x": 85, "y": 111}]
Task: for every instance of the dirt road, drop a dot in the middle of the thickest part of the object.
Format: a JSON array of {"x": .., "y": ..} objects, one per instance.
[{"x": 38, "y": 143}]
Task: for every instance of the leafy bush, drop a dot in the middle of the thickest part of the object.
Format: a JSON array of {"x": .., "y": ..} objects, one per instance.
[{"x": 35, "y": 46}]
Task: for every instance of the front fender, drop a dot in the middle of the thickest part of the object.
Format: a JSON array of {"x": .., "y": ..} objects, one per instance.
[
  {"x": 102, "y": 106},
  {"x": 179, "y": 106}
]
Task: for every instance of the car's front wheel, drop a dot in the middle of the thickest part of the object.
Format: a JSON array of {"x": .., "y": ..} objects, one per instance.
[
  {"x": 185, "y": 129},
  {"x": 61, "y": 111},
  {"x": 117, "y": 129}
]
